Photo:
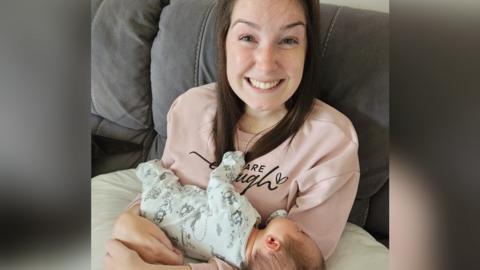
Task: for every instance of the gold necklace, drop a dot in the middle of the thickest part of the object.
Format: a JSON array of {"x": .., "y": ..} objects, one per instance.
[
  {"x": 256, "y": 134},
  {"x": 253, "y": 137}
]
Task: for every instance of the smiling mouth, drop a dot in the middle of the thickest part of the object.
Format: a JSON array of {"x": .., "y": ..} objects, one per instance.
[{"x": 264, "y": 85}]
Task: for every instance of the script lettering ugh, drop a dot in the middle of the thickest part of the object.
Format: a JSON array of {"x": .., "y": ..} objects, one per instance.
[{"x": 258, "y": 180}]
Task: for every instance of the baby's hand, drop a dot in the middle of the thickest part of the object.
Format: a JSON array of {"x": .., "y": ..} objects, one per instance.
[
  {"x": 233, "y": 158},
  {"x": 231, "y": 166}
]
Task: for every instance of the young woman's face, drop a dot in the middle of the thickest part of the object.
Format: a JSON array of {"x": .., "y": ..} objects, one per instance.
[{"x": 265, "y": 50}]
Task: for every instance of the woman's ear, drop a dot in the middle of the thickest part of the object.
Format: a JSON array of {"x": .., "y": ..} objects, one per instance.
[{"x": 272, "y": 243}]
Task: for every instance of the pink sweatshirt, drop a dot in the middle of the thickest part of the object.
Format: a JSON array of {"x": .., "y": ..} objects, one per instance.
[{"x": 315, "y": 178}]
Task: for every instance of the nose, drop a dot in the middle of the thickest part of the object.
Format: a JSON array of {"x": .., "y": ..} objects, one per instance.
[{"x": 266, "y": 59}]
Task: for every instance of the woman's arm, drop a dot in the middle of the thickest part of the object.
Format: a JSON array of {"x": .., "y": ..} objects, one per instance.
[
  {"x": 143, "y": 236},
  {"x": 130, "y": 233},
  {"x": 120, "y": 257},
  {"x": 325, "y": 196},
  {"x": 324, "y": 221}
]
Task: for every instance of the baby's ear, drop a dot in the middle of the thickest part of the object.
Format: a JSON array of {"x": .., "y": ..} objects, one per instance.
[{"x": 272, "y": 243}]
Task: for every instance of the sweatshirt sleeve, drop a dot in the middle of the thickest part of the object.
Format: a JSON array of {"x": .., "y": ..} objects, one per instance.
[
  {"x": 325, "y": 195},
  {"x": 167, "y": 159}
]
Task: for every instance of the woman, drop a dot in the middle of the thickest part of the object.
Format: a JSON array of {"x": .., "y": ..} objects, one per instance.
[{"x": 301, "y": 153}]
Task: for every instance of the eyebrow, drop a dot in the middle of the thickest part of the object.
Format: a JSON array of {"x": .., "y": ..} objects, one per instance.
[{"x": 256, "y": 26}]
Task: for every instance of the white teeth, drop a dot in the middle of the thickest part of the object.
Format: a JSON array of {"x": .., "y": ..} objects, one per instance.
[{"x": 264, "y": 85}]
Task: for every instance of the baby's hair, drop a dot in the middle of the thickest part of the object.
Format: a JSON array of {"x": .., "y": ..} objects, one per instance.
[
  {"x": 303, "y": 258},
  {"x": 292, "y": 256},
  {"x": 270, "y": 261}
]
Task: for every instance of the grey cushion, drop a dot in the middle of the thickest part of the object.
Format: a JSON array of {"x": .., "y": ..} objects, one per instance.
[
  {"x": 378, "y": 220},
  {"x": 117, "y": 147},
  {"x": 122, "y": 36},
  {"x": 104, "y": 146},
  {"x": 355, "y": 80},
  {"x": 183, "y": 56},
  {"x": 94, "y": 4}
]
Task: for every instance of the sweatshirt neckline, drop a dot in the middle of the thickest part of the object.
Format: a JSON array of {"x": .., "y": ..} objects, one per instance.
[{"x": 245, "y": 136}]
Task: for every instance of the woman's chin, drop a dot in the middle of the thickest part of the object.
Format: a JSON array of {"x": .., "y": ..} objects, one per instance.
[{"x": 263, "y": 107}]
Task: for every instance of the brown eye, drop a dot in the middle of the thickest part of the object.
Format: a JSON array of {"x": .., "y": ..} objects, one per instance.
[
  {"x": 289, "y": 41},
  {"x": 247, "y": 38}
]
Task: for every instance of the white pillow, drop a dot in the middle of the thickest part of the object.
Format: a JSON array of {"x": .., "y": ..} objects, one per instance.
[
  {"x": 358, "y": 250},
  {"x": 112, "y": 192}
]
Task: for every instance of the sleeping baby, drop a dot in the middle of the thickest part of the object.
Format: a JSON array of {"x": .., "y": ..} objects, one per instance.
[{"x": 219, "y": 222}]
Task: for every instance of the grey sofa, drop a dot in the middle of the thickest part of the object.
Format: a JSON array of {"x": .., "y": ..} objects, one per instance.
[{"x": 146, "y": 53}]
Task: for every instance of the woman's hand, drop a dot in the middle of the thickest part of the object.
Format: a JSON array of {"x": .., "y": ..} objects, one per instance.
[
  {"x": 144, "y": 237},
  {"x": 119, "y": 257}
]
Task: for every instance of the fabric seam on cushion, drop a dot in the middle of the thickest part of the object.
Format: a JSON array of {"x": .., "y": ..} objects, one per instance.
[
  {"x": 380, "y": 187},
  {"x": 148, "y": 139},
  {"x": 365, "y": 214},
  {"x": 379, "y": 170},
  {"x": 96, "y": 13},
  {"x": 97, "y": 130},
  {"x": 125, "y": 115},
  {"x": 206, "y": 15},
  {"x": 131, "y": 117},
  {"x": 327, "y": 39},
  {"x": 164, "y": 3},
  {"x": 92, "y": 95},
  {"x": 94, "y": 103},
  {"x": 161, "y": 137}
]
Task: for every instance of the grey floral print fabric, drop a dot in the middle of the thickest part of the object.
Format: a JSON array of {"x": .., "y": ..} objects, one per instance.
[{"x": 215, "y": 222}]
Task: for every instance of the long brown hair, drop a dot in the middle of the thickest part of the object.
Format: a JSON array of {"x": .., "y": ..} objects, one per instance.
[{"x": 229, "y": 106}]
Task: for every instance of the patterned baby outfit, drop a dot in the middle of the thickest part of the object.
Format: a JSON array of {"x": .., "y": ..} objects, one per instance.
[{"x": 203, "y": 223}]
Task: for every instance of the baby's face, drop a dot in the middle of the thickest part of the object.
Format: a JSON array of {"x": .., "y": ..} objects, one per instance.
[
  {"x": 285, "y": 241},
  {"x": 279, "y": 236},
  {"x": 278, "y": 233},
  {"x": 282, "y": 227}
]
